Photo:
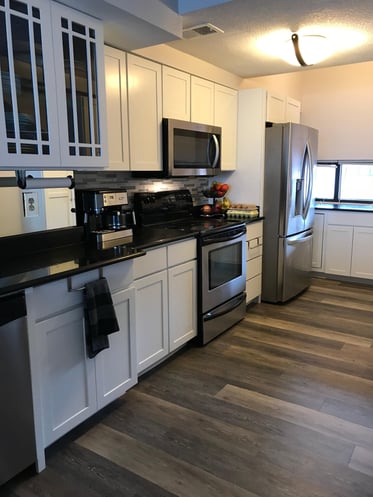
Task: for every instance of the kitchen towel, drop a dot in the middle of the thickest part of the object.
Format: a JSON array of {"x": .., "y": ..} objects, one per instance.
[{"x": 100, "y": 316}]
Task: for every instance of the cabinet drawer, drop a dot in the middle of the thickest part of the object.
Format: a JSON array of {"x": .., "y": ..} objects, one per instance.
[
  {"x": 119, "y": 276},
  {"x": 254, "y": 230},
  {"x": 180, "y": 252},
  {"x": 253, "y": 287},
  {"x": 253, "y": 267},
  {"x": 61, "y": 295},
  {"x": 155, "y": 260},
  {"x": 253, "y": 252}
]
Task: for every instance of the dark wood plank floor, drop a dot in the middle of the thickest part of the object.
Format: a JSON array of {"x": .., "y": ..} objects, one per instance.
[{"x": 281, "y": 405}]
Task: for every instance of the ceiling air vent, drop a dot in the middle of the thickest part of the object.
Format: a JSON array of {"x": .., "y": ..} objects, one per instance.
[{"x": 200, "y": 30}]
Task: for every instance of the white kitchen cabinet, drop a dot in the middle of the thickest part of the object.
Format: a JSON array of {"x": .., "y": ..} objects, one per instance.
[
  {"x": 67, "y": 375},
  {"x": 338, "y": 249},
  {"x": 226, "y": 109},
  {"x": 318, "y": 235},
  {"x": 276, "y": 108},
  {"x": 117, "y": 109},
  {"x": 282, "y": 109},
  {"x": 217, "y": 105},
  {"x": 69, "y": 387},
  {"x": 292, "y": 110},
  {"x": 116, "y": 370},
  {"x": 151, "y": 319},
  {"x": 362, "y": 253},
  {"x": 54, "y": 113},
  {"x": 202, "y": 100},
  {"x": 166, "y": 299},
  {"x": 145, "y": 113},
  {"x": 176, "y": 93},
  {"x": 80, "y": 85},
  {"x": 254, "y": 239},
  {"x": 182, "y": 290}
]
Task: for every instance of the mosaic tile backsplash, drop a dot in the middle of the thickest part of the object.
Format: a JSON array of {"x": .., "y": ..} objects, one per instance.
[{"x": 116, "y": 179}]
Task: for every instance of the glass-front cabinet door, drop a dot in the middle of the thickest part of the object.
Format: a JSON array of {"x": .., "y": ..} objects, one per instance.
[
  {"x": 52, "y": 87},
  {"x": 28, "y": 110},
  {"x": 79, "y": 52}
]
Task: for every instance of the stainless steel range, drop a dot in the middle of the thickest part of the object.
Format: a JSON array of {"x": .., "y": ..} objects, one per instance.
[{"x": 221, "y": 256}]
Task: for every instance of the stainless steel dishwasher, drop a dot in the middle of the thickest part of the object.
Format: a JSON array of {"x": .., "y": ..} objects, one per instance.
[{"x": 17, "y": 441}]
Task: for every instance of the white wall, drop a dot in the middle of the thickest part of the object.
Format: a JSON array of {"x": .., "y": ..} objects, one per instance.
[{"x": 338, "y": 101}]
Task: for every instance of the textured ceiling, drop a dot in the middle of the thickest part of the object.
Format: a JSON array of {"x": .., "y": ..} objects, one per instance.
[{"x": 245, "y": 21}]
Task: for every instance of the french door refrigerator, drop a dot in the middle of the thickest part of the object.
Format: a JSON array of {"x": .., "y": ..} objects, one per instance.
[{"x": 290, "y": 157}]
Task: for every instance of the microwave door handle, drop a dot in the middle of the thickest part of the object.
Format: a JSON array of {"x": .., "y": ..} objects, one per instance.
[{"x": 214, "y": 139}]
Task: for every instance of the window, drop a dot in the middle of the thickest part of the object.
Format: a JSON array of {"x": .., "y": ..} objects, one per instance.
[{"x": 344, "y": 182}]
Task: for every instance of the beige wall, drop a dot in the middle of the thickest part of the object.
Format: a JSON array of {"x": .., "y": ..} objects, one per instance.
[{"x": 338, "y": 102}]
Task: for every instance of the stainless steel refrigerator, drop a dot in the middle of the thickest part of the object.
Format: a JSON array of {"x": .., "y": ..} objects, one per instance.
[{"x": 290, "y": 157}]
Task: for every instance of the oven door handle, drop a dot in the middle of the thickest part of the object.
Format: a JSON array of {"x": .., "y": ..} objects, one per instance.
[
  {"x": 208, "y": 240},
  {"x": 227, "y": 307}
]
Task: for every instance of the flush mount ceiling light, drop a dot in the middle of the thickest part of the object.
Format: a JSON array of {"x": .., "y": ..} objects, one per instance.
[
  {"x": 306, "y": 50},
  {"x": 309, "y": 45}
]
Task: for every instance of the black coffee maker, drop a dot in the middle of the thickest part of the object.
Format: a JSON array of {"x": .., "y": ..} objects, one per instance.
[{"x": 104, "y": 214}]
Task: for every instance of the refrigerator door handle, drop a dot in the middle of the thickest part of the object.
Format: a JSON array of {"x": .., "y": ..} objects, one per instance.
[
  {"x": 295, "y": 240},
  {"x": 307, "y": 180}
]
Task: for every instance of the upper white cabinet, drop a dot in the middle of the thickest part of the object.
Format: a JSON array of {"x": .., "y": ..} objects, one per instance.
[
  {"x": 202, "y": 101},
  {"x": 52, "y": 105},
  {"x": 176, "y": 93},
  {"x": 282, "y": 109},
  {"x": 218, "y": 105},
  {"x": 226, "y": 108},
  {"x": 145, "y": 113},
  {"x": 117, "y": 108}
]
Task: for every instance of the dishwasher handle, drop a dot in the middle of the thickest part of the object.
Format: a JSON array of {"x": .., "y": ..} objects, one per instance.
[{"x": 12, "y": 307}]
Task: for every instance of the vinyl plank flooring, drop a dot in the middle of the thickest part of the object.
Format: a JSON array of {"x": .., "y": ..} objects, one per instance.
[{"x": 280, "y": 405}]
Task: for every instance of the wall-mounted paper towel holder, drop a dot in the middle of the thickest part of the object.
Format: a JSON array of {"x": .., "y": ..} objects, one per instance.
[{"x": 29, "y": 182}]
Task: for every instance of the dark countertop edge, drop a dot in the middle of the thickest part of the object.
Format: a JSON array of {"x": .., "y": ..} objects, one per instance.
[
  {"x": 41, "y": 280},
  {"x": 333, "y": 206}
]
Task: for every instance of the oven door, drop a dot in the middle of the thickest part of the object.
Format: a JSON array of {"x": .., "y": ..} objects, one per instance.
[{"x": 223, "y": 267}]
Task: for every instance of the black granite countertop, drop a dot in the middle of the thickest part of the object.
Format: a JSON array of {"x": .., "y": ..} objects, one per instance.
[
  {"x": 340, "y": 206},
  {"x": 38, "y": 258}
]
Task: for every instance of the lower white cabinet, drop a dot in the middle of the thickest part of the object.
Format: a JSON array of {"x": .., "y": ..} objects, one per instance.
[
  {"x": 317, "y": 245},
  {"x": 165, "y": 281},
  {"x": 68, "y": 386},
  {"x": 338, "y": 249},
  {"x": 362, "y": 253},
  {"x": 254, "y": 238}
]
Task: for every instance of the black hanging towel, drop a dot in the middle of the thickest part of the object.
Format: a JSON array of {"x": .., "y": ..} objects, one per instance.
[{"x": 100, "y": 316}]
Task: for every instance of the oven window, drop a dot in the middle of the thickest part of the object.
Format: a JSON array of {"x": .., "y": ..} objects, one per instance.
[{"x": 225, "y": 264}]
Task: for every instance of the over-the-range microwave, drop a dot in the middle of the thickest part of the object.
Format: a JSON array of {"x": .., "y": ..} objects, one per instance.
[{"x": 190, "y": 149}]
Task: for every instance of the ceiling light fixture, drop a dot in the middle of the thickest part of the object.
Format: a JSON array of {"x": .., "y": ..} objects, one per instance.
[{"x": 306, "y": 50}]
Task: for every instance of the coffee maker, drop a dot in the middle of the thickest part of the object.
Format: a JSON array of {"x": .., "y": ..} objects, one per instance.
[{"x": 104, "y": 216}]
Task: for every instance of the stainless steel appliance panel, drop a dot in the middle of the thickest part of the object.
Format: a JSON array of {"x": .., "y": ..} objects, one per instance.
[
  {"x": 222, "y": 318},
  {"x": 223, "y": 267},
  {"x": 17, "y": 442},
  {"x": 290, "y": 157}
]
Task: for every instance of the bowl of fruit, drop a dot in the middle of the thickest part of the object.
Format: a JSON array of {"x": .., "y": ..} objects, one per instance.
[{"x": 216, "y": 190}]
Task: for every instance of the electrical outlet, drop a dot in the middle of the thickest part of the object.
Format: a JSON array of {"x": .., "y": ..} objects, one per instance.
[{"x": 31, "y": 204}]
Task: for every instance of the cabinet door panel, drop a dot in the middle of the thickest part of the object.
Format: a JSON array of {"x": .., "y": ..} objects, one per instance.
[
  {"x": 202, "y": 101},
  {"x": 145, "y": 113},
  {"x": 29, "y": 129},
  {"x": 79, "y": 59},
  {"x": 67, "y": 375},
  {"x": 362, "y": 253},
  {"x": 226, "y": 103},
  {"x": 117, "y": 108},
  {"x": 176, "y": 94},
  {"x": 151, "y": 319},
  {"x": 338, "y": 250},
  {"x": 116, "y": 366},
  {"x": 318, "y": 235},
  {"x": 182, "y": 288}
]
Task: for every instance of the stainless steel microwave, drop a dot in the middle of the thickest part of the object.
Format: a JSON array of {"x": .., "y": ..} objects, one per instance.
[{"x": 190, "y": 149}]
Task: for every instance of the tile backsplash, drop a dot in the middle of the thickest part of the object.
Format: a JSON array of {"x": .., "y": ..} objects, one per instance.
[{"x": 117, "y": 179}]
